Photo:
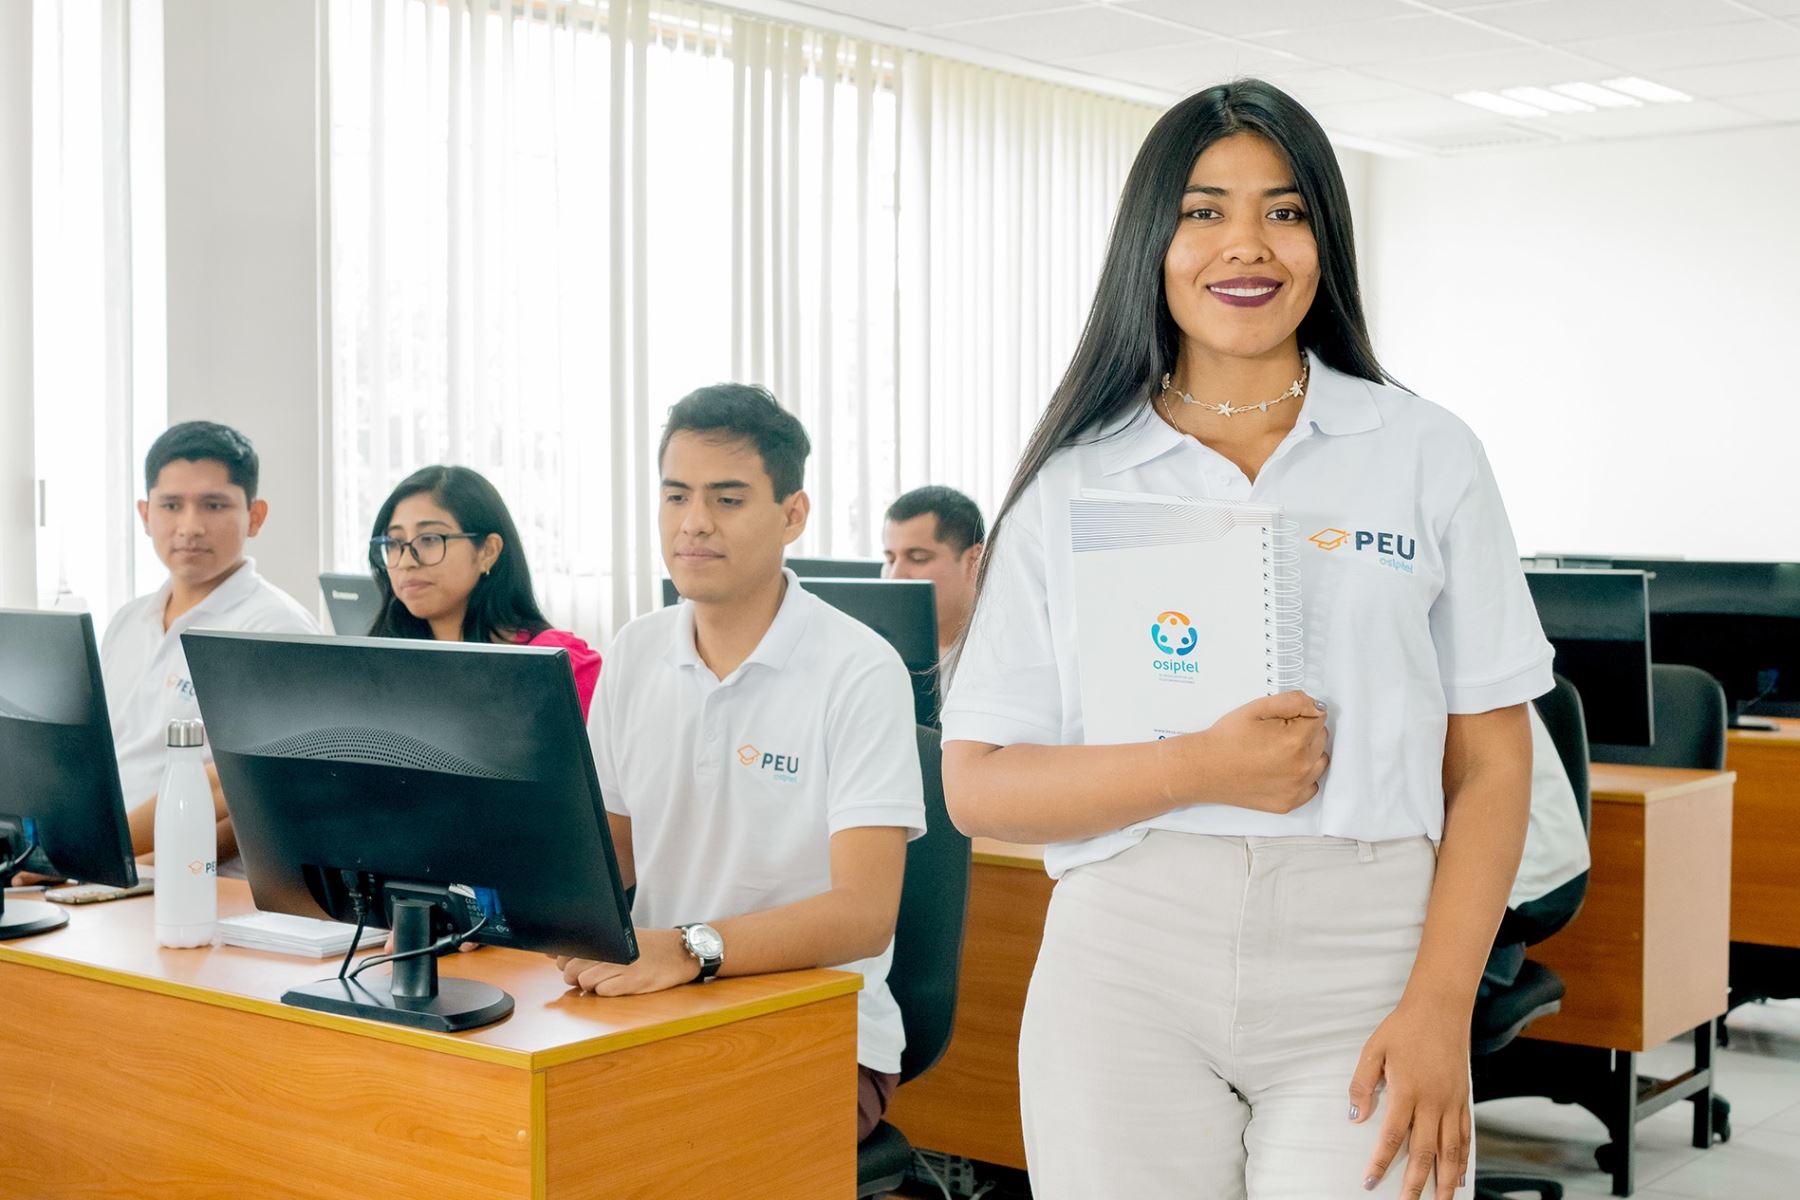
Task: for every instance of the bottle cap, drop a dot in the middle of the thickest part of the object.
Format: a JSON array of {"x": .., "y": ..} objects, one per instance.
[{"x": 187, "y": 734}]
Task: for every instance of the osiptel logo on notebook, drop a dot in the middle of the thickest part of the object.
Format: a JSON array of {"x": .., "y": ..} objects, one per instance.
[
  {"x": 1175, "y": 636},
  {"x": 783, "y": 767},
  {"x": 1392, "y": 550}
]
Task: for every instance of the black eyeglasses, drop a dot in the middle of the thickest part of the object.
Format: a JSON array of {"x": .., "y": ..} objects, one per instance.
[{"x": 428, "y": 549}]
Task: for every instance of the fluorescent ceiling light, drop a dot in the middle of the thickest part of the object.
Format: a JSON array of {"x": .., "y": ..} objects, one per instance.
[
  {"x": 1596, "y": 95},
  {"x": 1500, "y": 104},
  {"x": 1546, "y": 99},
  {"x": 1643, "y": 89}
]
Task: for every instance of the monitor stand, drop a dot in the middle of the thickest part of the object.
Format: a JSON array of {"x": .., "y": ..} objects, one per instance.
[
  {"x": 1740, "y": 721},
  {"x": 412, "y": 993},
  {"x": 23, "y": 918}
]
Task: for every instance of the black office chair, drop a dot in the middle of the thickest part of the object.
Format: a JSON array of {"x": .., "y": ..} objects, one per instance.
[
  {"x": 928, "y": 941},
  {"x": 1516, "y": 991}
]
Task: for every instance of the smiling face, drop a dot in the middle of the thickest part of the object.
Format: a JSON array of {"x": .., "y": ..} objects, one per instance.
[
  {"x": 199, "y": 520},
  {"x": 1243, "y": 267},
  {"x": 723, "y": 530}
]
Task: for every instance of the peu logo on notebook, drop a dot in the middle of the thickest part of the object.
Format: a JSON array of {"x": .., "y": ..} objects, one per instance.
[
  {"x": 1392, "y": 550},
  {"x": 785, "y": 768},
  {"x": 1175, "y": 637}
]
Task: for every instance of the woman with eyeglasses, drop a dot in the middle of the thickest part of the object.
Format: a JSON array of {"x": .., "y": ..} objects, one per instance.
[{"x": 448, "y": 560}]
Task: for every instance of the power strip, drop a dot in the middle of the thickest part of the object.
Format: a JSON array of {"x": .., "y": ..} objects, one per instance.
[{"x": 949, "y": 1171}]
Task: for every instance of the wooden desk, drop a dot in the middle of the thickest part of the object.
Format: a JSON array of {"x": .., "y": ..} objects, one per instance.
[
  {"x": 1765, "y": 850},
  {"x": 969, "y": 1103},
  {"x": 135, "y": 1071},
  {"x": 1646, "y": 958}
]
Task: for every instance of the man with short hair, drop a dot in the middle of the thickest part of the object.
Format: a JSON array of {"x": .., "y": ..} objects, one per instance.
[
  {"x": 755, "y": 747},
  {"x": 936, "y": 533},
  {"x": 200, "y": 507}
]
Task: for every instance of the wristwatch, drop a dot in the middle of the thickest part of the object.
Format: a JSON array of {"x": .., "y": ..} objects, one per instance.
[{"x": 707, "y": 947}]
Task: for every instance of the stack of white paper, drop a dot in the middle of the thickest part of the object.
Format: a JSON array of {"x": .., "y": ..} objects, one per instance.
[{"x": 286, "y": 934}]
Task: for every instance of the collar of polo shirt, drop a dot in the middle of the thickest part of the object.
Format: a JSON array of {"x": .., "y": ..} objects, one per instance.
[
  {"x": 227, "y": 595},
  {"x": 1336, "y": 404},
  {"x": 773, "y": 651}
]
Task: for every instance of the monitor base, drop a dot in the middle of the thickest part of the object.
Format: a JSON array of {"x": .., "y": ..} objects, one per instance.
[
  {"x": 1738, "y": 721},
  {"x": 459, "y": 1003},
  {"x": 24, "y": 918}
]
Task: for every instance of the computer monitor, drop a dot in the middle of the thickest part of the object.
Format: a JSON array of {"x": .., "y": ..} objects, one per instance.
[
  {"x": 835, "y": 568},
  {"x": 1738, "y": 621},
  {"x": 353, "y": 602},
  {"x": 1598, "y": 621},
  {"x": 61, "y": 809},
  {"x": 436, "y": 788},
  {"x": 904, "y": 611}
]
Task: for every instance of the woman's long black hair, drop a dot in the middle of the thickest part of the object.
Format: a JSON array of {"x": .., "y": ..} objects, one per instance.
[
  {"x": 1130, "y": 340},
  {"x": 502, "y": 601}
]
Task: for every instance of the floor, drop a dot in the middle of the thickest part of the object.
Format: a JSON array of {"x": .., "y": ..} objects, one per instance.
[{"x": 1759, "y": 1073}]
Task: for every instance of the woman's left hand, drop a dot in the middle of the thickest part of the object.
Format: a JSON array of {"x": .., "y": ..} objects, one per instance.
[{"x": 1422, "y": 1052}]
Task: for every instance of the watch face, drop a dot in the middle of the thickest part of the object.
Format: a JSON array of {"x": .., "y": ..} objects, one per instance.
[{"x": 706, "y": 941}]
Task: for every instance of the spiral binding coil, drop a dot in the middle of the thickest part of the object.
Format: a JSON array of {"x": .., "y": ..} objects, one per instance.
[{"x": 1283, "y": 633}]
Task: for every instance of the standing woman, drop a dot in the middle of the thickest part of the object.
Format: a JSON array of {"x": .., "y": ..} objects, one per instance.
[
  {"x": 448, "y": 561},
  {"x": 1256, "y": 978}
]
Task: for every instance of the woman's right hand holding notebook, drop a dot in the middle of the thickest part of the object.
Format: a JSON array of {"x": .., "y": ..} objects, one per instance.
[{"x": 1267, "y": 755}]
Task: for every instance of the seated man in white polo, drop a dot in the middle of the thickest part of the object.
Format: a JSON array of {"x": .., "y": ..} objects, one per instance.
[{"x": 755, "y": 746}]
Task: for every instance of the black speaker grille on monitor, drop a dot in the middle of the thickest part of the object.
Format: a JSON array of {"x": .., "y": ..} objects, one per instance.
[{"x": 373, "y": 746}]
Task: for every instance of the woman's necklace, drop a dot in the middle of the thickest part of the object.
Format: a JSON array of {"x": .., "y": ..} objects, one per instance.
[{"x": 1225, "y": 408}]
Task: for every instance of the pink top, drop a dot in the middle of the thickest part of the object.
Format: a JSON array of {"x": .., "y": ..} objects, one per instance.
[{"x": 582, "y": 657}]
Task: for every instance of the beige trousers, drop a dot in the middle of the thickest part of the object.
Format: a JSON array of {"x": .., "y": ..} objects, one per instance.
[{"x": 1198, "y": 1008}]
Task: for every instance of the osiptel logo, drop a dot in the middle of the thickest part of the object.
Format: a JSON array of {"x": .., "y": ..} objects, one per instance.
[
  {"x": 1392, "y": 550},
  {"x": 1173, "y": 634},
  {"x": 784, "y": 767}
]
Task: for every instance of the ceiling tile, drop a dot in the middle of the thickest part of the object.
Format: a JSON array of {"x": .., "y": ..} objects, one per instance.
[
  {"x": 1183, "y": 68},
  {"x": 1397, "y": 118},
  {"x": 1516, "y": 67},
  {"x": 1559, "y": 21},
  {"x": 1062, "y": 34},
  {"x": 1734, "y": 79},
  {"x": 1390, "y": 40},
  {"x": 1235, "y": 18},
  {"x": 1335, "y": 85},
  {"x": 1776, "y": 8},
  {"x": 1777, "y": 106},
  {"x": 1644, "y": 53},
  {"x": 1651, "y": 120}
]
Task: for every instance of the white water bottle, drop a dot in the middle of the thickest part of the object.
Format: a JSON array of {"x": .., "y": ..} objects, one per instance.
[{"x": 187, "y": 843}]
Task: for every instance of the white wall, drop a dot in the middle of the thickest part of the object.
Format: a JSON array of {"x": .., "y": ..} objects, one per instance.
[
  {"x": 1614, "y": 321},
  {"x": 18, "y": 503},
  {"x": 243, "y": 235}
]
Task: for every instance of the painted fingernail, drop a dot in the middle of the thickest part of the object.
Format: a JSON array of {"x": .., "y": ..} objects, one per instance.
[
  {"x": 1369, "y": 1183},
  {"x": 1355, "y": 1112}
]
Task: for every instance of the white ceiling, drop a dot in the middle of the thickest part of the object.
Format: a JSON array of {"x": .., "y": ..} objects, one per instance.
[{"x": 1383, "y": 72}]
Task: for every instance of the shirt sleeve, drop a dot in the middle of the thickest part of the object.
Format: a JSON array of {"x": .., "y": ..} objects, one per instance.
[
  {"x": 872, "y": 751},
  {"x": 584, "y": 660},
  {"x": 1491, "y": 650},
  {"x": 600, "y": 736},
  {"x": 1005, "y": 688}
]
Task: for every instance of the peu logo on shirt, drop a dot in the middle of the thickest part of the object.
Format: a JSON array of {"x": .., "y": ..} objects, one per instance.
[
  {"x": 784, "y": 768},
  {"x": 1394, "y": 551},
  {"x": 179, "y": 684}
]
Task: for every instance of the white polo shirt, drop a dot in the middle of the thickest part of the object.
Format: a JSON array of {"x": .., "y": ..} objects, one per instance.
[
  {"x": 1556, "y": 844},
  {"x": 1413, "y": 603},
  {"x": 734, "y": 786},
  {"x": 146, "y": 673}
]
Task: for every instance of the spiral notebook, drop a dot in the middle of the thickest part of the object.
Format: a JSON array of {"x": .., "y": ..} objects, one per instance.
[{"x": 1185, "y": 609}]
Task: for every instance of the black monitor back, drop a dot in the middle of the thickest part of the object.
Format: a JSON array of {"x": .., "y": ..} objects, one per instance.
[
  {"x": 1737, "y": 621},
  {"x": 57, "y": 766},
  {"x": 1598, "y": 621},
  {"x": 414, "y": 763},
  {"x": 835, "y": 568},
  {"x": 353, "y": 601}
]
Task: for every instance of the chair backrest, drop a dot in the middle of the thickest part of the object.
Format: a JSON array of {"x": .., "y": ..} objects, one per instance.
[
  {"x": 1688, "y": 708},
  {"x": 928, "y": 937},
  {"x": 1535, "y": 920}
]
